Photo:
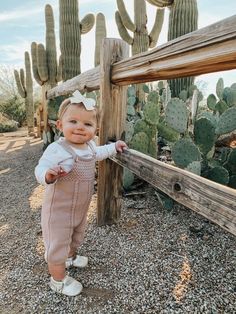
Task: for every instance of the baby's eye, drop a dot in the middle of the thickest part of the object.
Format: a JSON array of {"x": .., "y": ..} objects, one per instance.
[
  {"x": 73, "y": 121},
  {"x": 88, "y": 124}
]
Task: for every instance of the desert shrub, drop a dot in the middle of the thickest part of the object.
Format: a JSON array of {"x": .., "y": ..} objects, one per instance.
[
  {"x": 14, "y": 109},
  {"x": 7, "y": 125}
]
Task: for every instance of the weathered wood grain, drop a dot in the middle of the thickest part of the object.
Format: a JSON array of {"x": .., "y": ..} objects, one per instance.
[
  {"x": 87, "y": 81},
  {"x": 113, "y": 107},
  {"x": 210, "y": 199},
  {"x": 209, "y": 49}
]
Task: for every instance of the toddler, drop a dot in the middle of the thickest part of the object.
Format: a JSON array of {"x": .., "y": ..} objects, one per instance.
[{"x": 67, "y": 169}]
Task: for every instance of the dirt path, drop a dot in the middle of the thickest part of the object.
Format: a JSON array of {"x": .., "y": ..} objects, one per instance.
[{"x": 153, "y": 261}]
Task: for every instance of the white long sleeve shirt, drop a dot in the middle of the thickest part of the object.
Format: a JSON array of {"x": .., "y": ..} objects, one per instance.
[{"x": 55, "y": 154}]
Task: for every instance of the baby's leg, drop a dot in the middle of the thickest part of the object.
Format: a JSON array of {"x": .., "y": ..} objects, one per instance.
[{"x": 57, "y": 271}]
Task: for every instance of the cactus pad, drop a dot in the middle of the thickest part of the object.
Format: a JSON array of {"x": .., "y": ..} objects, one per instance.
[
  {"x": 211, "y": 101},
  {"x": 221, "y": 106},
  {"x": 194, "y": 167},
  {"x": 204, "y": 135},
  {"x": 167, "y": 132},
  {"x": 185, "y": 152},
  {"x": 176, "y": 115},
  {"x": 227, "y": 121},
  {"x": 220, "y": 88},
  {"x": 152, "y": 113},
  {"x": 219, "y": 175},
  {"x": 140, "y": 142}
]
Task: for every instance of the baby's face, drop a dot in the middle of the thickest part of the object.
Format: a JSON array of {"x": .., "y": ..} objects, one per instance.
[{"x": 78, "y": 124}]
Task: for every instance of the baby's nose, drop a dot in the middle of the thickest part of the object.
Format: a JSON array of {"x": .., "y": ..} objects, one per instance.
[{"x": 80, "y": 125}]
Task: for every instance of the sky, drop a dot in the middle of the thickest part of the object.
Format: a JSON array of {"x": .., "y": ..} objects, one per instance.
[{"x": 22, "y": 22}]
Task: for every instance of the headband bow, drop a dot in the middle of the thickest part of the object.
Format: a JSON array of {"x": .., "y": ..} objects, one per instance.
[{"x": 89, "y": 103}]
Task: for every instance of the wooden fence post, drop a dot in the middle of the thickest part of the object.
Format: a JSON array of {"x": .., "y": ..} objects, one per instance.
[{"x": 113, "y": 109}]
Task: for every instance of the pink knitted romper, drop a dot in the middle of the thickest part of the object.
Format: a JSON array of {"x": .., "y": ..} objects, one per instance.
[{"x": 65, "y": 207}]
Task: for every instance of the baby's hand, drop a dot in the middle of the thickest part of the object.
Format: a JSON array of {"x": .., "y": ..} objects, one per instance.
[
  {"x": 54, "y": 173},
  {"x": 121, "y": 146}
]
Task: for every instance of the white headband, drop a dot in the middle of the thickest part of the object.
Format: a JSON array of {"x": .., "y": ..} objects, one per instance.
[{"x": 89, "y": 103}]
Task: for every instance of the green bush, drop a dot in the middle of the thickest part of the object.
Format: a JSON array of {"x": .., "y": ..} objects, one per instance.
[
  {"x": 14, "y": 108},
  {"x": 8, "y": 126}
]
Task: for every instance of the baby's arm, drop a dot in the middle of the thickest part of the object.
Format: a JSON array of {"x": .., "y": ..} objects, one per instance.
[
  {"x": 48, "y": 171},
  {"x": 108, "y": 150}
]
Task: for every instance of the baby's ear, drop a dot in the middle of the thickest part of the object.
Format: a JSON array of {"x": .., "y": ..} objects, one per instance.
[{"x": 59, "y": 125}]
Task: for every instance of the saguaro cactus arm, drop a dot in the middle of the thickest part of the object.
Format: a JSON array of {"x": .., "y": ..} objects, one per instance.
[
  {"x": 100, "y": 33},
  {"x": 161, "y": 3},
  {"x": 42, "y": 63},
  {"x": 25, "y": 87},
  {"x": 141, "y": 40},
  {"x": 28, "y": 77},
  {"x": 34, "y": 48},
  {"x": 122, "y": 30},
  {"x": 126, "y": 20},
  {"x": 20, "y": 85},
  {"x": 155, "y": 32},
  {"x": 51, "y": 52},
  {"x": 86, "y": 24}
]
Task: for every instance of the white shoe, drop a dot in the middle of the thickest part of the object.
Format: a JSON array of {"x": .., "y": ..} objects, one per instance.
[
  {"x": 68, "y": 286},
  {"x": 78, "y": 261}
]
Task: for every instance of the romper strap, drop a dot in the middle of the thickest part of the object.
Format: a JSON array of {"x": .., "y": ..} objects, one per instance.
[
  {"x": 67, "y": 147},
  {"x": 70, "y": 150},
  {"x": 92, "y": 148}
]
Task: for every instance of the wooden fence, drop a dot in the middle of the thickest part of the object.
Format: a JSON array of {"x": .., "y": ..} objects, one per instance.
[{"x": 207, "y": 50}]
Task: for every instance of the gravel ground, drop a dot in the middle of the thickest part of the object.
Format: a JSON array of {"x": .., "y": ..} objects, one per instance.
[{"x": 153, "y": 261}]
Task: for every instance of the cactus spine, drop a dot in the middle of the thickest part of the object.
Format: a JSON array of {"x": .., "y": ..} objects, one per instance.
[
  {"x": 24, "y": 84},
  {"x": 71, "y": 30},
  {"x": 183, "y": 19}
]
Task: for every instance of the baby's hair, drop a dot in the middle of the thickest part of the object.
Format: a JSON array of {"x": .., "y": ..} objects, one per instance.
[{"x": 67, "y": 102}]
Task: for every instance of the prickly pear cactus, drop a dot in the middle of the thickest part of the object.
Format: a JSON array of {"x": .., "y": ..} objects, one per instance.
[
  {"x": 151, "y": 113},
  {"x": 211, "y": 102},
  {"x": 204, "y": 135},
  {"x": 227, "y": 121},
  {"x": 185, "y": 152},
  {"x": 218, "y": 174},
  {"x": 167, "y": 132},
  {"x": 140, "y": 142},
  {"x": 194, "y": 167},
  {"x": 176, "y": 115}
]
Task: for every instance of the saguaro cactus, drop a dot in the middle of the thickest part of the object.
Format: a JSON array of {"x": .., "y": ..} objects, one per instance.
[
  {"x": 100, "y": 33},
  {"x": 24, "y": 84},
  {"x": 141, "y": 40},
  {"x": 44, "y": 61},
  {"x": 183, "y": 19},
  {"x": 71, "y": 30}
]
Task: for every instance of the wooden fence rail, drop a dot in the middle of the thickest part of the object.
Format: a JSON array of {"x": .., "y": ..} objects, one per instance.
[
  {"x": 207, "y": 50},
  {"x": 210, "y": 199}
]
